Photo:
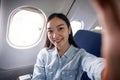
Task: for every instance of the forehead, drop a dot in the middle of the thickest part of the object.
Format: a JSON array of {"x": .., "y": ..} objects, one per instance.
[{"x": 55, "y": 22}]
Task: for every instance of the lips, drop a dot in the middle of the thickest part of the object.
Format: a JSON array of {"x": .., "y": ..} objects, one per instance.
[{"x": 57, "y": 41}]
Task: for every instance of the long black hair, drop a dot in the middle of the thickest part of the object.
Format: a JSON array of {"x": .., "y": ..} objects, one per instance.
[{"x": 48, "y": 44}]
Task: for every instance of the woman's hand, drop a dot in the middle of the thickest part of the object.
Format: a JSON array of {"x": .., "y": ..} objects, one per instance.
[{"x": 108, "y": 12}]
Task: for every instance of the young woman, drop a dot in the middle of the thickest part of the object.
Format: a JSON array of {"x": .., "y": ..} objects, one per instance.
[{"x": 61, "y": 59}]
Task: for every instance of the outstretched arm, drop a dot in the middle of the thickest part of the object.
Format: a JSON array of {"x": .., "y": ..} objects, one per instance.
[{"x": 108, "y": 14}]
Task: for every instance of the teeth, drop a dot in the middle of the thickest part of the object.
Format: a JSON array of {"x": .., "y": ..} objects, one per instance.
[{"x": 57, "y": 40}]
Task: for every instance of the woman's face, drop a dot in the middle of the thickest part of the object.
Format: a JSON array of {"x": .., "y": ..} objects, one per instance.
[{"x": 58, "y": 32}]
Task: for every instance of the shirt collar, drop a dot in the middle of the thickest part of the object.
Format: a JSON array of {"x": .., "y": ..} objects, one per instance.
[{"x": 68, "y": 54}]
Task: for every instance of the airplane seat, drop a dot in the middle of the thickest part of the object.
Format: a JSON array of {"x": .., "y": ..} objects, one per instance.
[{"x": 91, "y": 42}]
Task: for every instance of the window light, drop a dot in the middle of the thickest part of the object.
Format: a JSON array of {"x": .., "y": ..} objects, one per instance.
[
  {"x": 76, "y": 25},
  {"x": 26, "y": 26}
]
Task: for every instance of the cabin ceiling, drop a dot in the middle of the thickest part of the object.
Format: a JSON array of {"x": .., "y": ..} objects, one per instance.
[{"x": 74, "y": 9}]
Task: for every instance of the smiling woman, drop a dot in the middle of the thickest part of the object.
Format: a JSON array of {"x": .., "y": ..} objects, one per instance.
[
  {"x": 61, "y": 58},
  {"x": 26, "y": 26}
]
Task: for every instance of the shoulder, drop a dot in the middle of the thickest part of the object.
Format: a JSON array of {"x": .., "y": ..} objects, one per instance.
[
  {"x": 42, "y": 52},
  {"x": 81, "y": 51},
  {"x": 45, "y": 52},
  {"x": 86, "y": 55}
]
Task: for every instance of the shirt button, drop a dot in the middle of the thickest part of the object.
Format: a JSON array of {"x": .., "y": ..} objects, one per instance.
[
  {"x": 63, "y": 73},
  {"x": 71, "y": 76},
  {"x": 60, "y": 62}
]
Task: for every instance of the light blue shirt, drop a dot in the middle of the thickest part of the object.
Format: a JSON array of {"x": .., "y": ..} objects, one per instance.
[{"x": 50, "y": 66}]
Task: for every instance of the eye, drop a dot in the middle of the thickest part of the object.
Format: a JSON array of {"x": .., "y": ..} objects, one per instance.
[
  {"x": 60, "y": 28},
  {"x": 49, "y": 31}
]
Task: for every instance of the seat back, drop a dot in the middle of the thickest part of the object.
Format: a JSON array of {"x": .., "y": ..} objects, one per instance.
[{"x": 91, "y": 42}]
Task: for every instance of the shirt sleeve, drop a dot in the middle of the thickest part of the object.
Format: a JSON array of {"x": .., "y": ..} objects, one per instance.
[
  {"x": 39, "y": 67},
  {"x": 92, "y": 65}
]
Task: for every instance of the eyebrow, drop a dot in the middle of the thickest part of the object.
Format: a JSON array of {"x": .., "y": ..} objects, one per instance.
[{"x": 57, "y": 26}]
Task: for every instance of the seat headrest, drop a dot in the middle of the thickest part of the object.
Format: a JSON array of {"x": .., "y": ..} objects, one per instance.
[{"x": 88, "y": 40}]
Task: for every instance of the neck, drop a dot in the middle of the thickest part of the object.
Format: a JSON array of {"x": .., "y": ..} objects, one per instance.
[{"x": 62, "y": 50}]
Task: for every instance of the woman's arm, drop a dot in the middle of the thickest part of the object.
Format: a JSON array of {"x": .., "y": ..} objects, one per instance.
[
  {"x": 39, "y": 68},
  {"x": 108, "y": 14},
  {"x": 92, "y": 65}
]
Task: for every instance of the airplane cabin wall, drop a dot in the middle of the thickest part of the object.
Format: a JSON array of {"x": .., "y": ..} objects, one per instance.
[
  {"x": 83, "y": 11},
  {"x": 0, "y": 25}
]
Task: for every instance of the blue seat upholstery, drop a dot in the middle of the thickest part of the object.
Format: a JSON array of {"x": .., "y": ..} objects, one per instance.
[{"x": 91, "y": 42}]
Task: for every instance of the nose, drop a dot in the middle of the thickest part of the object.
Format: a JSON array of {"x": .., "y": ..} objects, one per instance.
[{"x": 55, "y": 34}]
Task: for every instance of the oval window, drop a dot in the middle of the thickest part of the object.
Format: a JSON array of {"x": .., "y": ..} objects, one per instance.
[
  {"x": 77, "y": 25},
  {"x": 25, "y": 27}
]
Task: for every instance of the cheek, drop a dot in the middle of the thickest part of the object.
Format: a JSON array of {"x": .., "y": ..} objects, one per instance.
[
  {"x": 67, "y": 34},
  {"x": 50, "y": 37},
  {"x": 68, "y": 37}
]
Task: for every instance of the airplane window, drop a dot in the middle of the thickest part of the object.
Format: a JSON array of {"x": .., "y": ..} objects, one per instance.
[
  {"x": 25, "y": 27},
  {"x": 77, "y": 25}
]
